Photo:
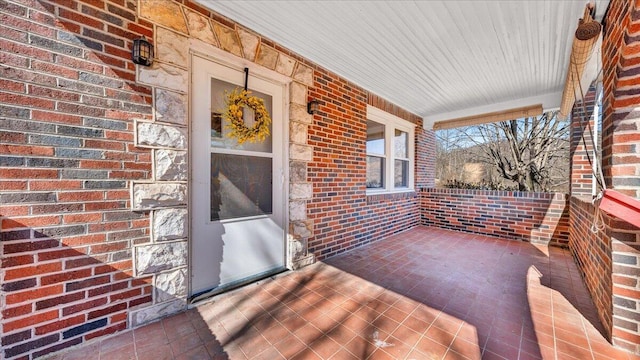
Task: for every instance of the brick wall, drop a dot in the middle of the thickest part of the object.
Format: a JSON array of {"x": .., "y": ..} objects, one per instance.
[
  {"x": 67, "y": 97},
  {"x": 621, "y": 76},
  {"x": 625, "y": 254},
  {"x": 535, "y": 217},
  {"x": 592, "y": 254},
  {"x": 425, "y": 159},
  {"x": 609, "y": 262},
  {"x": 621, "y": 163},
  {"x": 581, "y": 147},
  {"x": 85, "y": 174},
  {"x": 344, "y": 216}
]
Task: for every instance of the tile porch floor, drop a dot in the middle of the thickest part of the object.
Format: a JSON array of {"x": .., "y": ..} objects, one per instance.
[{"x": 422, "y": 294}]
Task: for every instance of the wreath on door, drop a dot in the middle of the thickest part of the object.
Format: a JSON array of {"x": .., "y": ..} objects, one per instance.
[{"x": 235, "y": 102}]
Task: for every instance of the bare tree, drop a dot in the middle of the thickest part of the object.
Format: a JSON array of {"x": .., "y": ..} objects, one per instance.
[
  {"x": 449, "y": 157},
  {"x": 532, "y": 152}
]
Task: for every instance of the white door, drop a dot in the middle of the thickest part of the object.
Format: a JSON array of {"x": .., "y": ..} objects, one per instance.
[{"x": 237, "y": 196}]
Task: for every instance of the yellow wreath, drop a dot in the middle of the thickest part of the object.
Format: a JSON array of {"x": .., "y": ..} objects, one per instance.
[{"x": 236, "y": 100}]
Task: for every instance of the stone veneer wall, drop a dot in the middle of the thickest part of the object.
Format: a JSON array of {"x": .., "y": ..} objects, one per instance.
[
  {"x": 536, "y": 217},
  {"x": 94, "y": 155}
]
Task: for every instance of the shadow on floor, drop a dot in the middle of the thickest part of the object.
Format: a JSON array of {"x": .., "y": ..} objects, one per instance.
[{"x": 422, "y": 294}]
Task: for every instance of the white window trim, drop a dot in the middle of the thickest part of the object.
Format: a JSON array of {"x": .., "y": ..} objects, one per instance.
[{"x": 392, "y": 122}]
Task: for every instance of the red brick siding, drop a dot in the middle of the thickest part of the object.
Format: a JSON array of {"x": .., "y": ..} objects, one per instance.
[
  {"x": 581, "y": 150},
  {"x": 621, "y": 165},
  {"x": 625, "y": 254},
  {"x": 621, "y": 76},
  {"x": 592, "y": 254},
  {"x": 537, "y": 217},
  {"x": 67, "y": 99},
  {"x": 344, "y": 217},
  {"x": 425, "y": 159}
]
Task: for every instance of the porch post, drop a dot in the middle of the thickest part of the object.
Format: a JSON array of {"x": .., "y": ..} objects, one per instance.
[{"x": 621, "y": 162}]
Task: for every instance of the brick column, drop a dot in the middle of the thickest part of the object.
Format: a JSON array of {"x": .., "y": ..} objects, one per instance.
[
  {"x": 621, "y": 162},
  {"x": 621, "y": 73},
  {"x": 425, "y": 158},
  {"x": 581, "y": 150}
]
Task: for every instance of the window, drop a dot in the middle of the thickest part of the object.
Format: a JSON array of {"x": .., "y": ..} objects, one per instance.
[{"x": 390, "y": 142}]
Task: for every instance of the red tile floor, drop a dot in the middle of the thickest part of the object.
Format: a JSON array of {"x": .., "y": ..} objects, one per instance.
[{"x": 422, "y": 294}]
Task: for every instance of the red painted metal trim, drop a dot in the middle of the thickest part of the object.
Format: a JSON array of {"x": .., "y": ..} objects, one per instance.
[{"x": 621, "y": 206}]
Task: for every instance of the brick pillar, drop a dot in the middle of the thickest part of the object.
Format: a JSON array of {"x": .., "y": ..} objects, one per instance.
[
  {"x": 582, "y": 131},
  {"x": 425, "y": 158},
  {"x": 621, "y": 73},
  {"x": 621, "y": 161}
]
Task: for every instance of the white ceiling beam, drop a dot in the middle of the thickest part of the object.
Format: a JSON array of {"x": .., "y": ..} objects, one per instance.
[{"x": 549, "y": 101}]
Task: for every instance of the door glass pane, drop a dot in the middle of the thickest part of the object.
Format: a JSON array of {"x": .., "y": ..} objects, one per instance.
[
  {"x": 240, "y": 186},
  {"x": 375, "y": 172},
  {"x": 375, "y": 138},
  {"x": 401, "y": 173},
  {"x": 400, "y": 141},
  {"x": 219, "y": 132}
]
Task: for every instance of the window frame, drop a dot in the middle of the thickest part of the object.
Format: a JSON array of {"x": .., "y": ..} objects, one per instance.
[{"x": 392, "y": 123}]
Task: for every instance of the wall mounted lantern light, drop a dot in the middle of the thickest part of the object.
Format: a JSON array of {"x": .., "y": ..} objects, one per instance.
[
  {"x": 312, "y": 107},
  {"x": 142, "y": 52}
]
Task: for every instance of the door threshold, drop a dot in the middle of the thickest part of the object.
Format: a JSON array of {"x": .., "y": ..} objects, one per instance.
[{"x": 208, "y": 294}]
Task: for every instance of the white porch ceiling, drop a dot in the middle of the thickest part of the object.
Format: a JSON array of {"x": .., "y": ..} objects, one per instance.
[{"x": 437, "y": 59}]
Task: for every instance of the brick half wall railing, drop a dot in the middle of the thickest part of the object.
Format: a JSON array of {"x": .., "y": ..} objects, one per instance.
[
  {"x": 592, "y": 254},
  {"x": 526, "y": 216}
]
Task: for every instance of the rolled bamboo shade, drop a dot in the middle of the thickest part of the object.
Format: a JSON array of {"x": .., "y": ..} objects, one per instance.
[
  {"x": 584, "y": 41},
  {"x": 511, "y": 114}
]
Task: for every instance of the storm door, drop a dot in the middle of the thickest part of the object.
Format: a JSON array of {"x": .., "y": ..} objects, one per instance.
[{"x": 237, "y": 190}]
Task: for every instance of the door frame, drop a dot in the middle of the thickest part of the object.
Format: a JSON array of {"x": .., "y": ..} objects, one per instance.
[{"x": 225, "y": 59}]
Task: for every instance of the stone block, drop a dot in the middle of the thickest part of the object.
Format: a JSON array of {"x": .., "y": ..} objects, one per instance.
[
  {"x": 249, "y": 43},
  {"x": 170, "y": 165},
  {"x": 228, "y": 39},
  {"x": 199, "y": 27},
  {"x": 298, "y": 132},
  {"x": 157, "y": 135},
  {"x": 298, "y": 94},
  {"x": 299, "y": 191},
  {"x": 155, "y": 258},
  {"x": 171, "y": 285},
  {"x": 304, "y": 74},
  {"x": 302, "y": 229},
  {"x": 170, "y": 224},
  {"x": 155, "y": 312},
  {"x": 285, "y": 64},
  {"x": 301, "y": 262},
  {"x": 164, "y": 75},
  {"x": 167, "y": 13},
  {"x": 172, "y": 47},
  {"x": 170, "y": 107},
  {"x": 297, "y": 247},
  {"x": 299, "y": 113},
  {"x": 149, "y": 196},
  {"x": 297, "y": 210},
  {"x": 301, "y": 152},
  {"x": 298, "y": 171},
  {"x": 267, "y": 57}
]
